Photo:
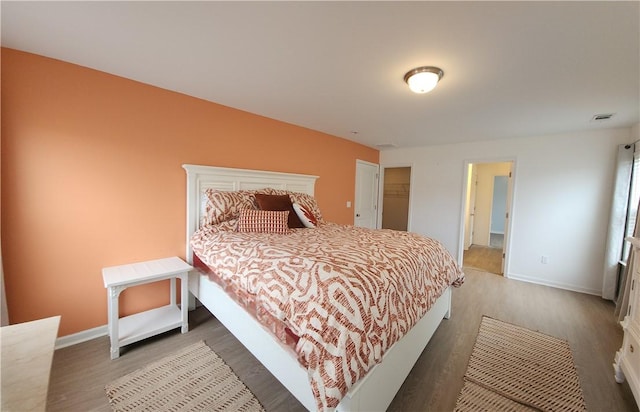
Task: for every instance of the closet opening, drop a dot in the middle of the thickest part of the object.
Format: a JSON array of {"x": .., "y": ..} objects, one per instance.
[{"x": 395, "y": 197}]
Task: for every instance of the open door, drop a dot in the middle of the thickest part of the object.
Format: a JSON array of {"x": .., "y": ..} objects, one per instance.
[
  {"x": 507, "y": 217},
  {"x": 470, "y": 210}
]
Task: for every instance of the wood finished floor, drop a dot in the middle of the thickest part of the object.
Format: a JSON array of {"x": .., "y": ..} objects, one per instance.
[{"x": 80, "y": 372}]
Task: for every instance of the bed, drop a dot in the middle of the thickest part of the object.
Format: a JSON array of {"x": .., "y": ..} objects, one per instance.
[{"x": 374, "y": 390}]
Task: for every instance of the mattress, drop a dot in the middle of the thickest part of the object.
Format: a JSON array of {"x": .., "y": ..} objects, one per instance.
[
  {"x": 247, "y": 301},
  {"x": 347, "y": 294}
]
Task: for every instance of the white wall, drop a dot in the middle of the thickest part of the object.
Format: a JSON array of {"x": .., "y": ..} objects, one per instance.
[
  {"x": 562, "y": 196},
  {"x": 499, "y": 204}
]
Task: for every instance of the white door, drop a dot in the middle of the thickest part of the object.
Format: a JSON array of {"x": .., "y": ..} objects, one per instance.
[
  {"x": 471, "y": 205},
  {"x": 366, "y": 199}
]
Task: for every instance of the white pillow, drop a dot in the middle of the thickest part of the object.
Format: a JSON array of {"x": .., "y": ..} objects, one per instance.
[{"x": 306, "y": 217}]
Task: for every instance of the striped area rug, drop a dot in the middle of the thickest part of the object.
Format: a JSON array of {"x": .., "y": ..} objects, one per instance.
[
  {"x": 192, "y": 379},
  {"x": 516, "y": 369}
]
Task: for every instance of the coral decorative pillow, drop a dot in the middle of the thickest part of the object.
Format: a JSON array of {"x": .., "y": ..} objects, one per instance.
[
  {"x": 221, "y": 206},
  {"x": 309, "y": 203},
  {"x": 279, "y": 202},
  {"x": 306, "y": 217},
  {"x": 263, "y": 221}
]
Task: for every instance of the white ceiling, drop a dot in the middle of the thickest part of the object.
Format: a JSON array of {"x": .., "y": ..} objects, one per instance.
[{"x": 512, "y": 69}]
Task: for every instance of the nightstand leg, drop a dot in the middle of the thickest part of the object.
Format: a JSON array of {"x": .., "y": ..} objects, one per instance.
[
  {"x": 184, "y": 301},
  {"x": 172, "y": 291},
  {"x": 112, "y": 299}
]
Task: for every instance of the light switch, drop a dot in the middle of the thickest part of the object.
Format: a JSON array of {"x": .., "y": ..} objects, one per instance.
[{"x": 348, "y": 203}]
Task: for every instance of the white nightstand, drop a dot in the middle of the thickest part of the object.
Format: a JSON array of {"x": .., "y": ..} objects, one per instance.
[{"x": 133, "y": 328}]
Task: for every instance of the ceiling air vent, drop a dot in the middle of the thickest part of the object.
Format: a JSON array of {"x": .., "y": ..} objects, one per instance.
[
  {"x": 383, "y": 146},
  {"x": 601, "y": 117}
]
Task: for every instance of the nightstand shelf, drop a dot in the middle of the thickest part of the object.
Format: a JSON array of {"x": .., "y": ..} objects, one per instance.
[
  {"x": 149, "y": 323},
  {"x": 132, "y": 328}
]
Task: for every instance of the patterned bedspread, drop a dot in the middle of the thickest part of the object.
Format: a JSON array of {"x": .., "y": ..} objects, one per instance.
[{"x": 349, "y": 293}]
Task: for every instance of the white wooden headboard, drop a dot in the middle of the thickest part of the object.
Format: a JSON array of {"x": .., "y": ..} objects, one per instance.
[{"x": 201, "y": 178}]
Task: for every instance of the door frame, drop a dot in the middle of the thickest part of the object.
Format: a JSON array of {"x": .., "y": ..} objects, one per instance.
[
  {"x": 511, "y": 199},
  {"x": 381, "y": 190}
]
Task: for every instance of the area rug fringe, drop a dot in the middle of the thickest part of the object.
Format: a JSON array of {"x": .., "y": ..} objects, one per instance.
[
  {"x": 516, "y": 369},
  {"x": 192, "y": 379},
  {"x": 475, "y": 398}
]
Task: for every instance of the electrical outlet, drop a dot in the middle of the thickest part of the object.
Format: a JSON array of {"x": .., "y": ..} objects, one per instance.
[{"x": 544, "y": 260}]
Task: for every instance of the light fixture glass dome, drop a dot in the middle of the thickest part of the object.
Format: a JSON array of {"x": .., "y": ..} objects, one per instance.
[{"x": 423, "y": 79}]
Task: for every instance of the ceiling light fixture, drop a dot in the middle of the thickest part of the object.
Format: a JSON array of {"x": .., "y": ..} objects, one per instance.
[{"x": 423, "y": 79}]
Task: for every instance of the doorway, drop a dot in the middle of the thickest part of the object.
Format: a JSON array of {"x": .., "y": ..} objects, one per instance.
[
  {"x": 366, "y": 196},
  {"x": 487, "y": 215},
  {"x": 395, "y": 198}
]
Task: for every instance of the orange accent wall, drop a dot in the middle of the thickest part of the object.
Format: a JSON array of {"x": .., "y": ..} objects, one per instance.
[{"x": 92, "y": 177}]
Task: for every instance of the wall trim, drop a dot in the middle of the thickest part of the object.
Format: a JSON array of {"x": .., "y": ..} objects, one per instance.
[
  {"x": 82, "y": 336},
  {"x": 557, "y": 285}
]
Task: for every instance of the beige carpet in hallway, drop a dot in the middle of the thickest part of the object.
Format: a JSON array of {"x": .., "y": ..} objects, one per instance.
[{"x": 483, "y": 258}]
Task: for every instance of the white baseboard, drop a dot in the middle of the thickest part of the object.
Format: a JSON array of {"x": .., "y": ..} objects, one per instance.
[
  {"x": 558, "y": 285},
  {"x": 89, "y": 334},
  {"x": 103, "y": 330},
  {"x": 83, "y": 336}
]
